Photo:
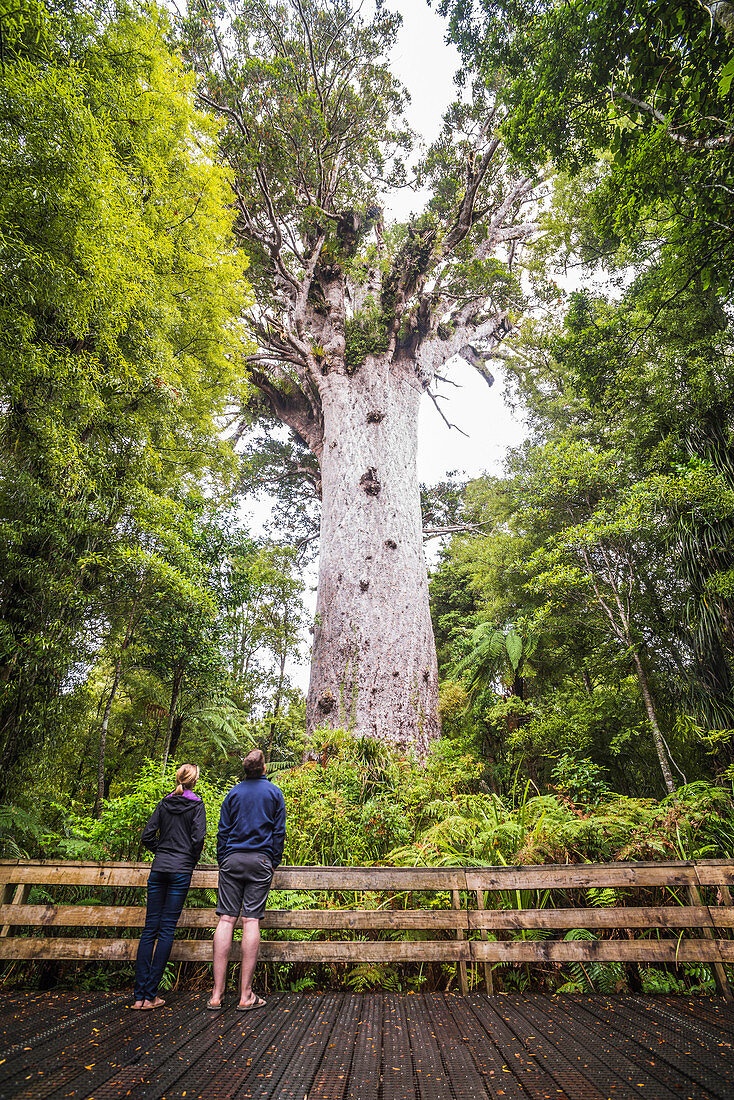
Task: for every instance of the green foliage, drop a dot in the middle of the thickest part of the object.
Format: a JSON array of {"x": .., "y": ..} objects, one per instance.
[
  {"x": 365, "y": 334},
  {"x": 366, "y": 977},
  {"x": 115, "y": 835},
  {"x": 119, "y": 346},
  {"x": 581, "y": 780},
  {"x": 19, "y": 832},
  {"x": 361, "y": 803},
  {"x": 646, "y": 84},
  {"x": 592, "y": 977}
]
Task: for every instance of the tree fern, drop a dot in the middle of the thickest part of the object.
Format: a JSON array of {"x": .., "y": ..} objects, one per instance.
[{"x": 591, "y": 976}]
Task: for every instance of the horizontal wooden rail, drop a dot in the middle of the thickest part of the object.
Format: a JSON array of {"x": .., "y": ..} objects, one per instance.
[
  {"x": 312, "y": 951},
  {"x": 574, "y": 876},
  {"x": 37, "y": 931},
  {"x": 133, "y": 916}
]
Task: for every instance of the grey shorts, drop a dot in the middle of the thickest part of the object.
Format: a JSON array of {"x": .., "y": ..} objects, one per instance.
[{"x": 244, "y": 884}]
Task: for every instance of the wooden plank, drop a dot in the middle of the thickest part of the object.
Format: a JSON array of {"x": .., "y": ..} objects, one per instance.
[
  {"x": 133, "y": 916},
  {"x": 20, "y": 897},
  {"x": 38, "y": 947},
  {"x": 548, "y": 876},
  {"x": 362, "y": 951},
  {"x": 360, "y": 919},
  {"x": 715, "y": 872},
  {"x": 716, "y": 876},
  {"x": 673, "y": 916},
  {"x": 456, "y": 906},
  {"x": 369, "y": 878},
  {"x": 578, "y": 876},
  {"x": 671, "y": 951},
  {"x": 90, "y": 874},
  {"x": 71, "y": 873}
]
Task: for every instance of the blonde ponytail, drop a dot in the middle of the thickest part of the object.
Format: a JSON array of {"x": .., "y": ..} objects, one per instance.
[{"x": 186, "y": 777}]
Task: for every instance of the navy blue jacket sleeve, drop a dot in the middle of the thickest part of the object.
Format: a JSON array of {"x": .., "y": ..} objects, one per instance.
[
  {"x": 149, "y": 837},
  {"x": 198, "y": 832},
  {"x": 225, "y": 825},
  {"x": 279, "y": 831}
]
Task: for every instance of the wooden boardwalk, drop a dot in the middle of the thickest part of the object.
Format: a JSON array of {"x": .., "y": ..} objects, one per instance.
[{"x": 337, "y": 1046}]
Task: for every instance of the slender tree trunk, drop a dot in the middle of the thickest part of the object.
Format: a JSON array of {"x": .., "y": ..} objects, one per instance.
[
  {"x": 587, "y": 680},
  {"x": 103, "y": 736},
  {"x": 175, "y": 692},
  {"x": 278, "y": 696},
  {"x": 176, "y": 729},
  {"x": 373, "y": 667},
  {"x": 656, "y": 734},
  {"x": 110, "y": 699}
]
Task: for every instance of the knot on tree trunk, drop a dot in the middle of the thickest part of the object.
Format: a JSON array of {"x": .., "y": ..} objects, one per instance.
[
  {"x": 327, "y": 702},
  {"x": 375, "y": 416},
  {"x": 370, "y": 483},
  {"x": 391, "y": 544}
]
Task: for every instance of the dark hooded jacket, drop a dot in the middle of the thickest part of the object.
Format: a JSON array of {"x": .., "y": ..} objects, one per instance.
[{"x": 175, "y": 832}]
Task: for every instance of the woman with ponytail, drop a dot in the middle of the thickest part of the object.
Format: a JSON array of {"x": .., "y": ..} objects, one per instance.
[{"x": 175, "y": 832}]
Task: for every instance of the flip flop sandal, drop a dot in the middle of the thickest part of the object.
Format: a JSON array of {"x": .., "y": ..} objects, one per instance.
[
  {"x": 214, "y": 1008},
  {"x": 257, "y": 1003}
]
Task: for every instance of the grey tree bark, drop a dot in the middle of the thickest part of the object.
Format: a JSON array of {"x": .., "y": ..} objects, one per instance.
[
  {"x": 657, "y": 736},
  {"x": 374, "y": 657}
]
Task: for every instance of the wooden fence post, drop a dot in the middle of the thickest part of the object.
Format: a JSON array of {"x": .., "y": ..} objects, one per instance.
[
  {"x": 720, "y": 978},
  {"x": 463, "y": 982},
  {"x": 7, "y": 899},
  {"x": 13, "y": 895},
  {"x": 488, "y": 981}
]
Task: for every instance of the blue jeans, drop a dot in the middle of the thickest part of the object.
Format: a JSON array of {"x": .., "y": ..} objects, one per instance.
[{"x": 166, "y": 896}]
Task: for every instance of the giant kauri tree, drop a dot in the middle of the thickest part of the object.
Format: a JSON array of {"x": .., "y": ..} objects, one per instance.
[{"x": 355, "y": 319}]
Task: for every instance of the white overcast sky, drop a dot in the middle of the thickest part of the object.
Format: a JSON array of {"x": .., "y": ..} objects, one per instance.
[{"x": 426, "y": 66}]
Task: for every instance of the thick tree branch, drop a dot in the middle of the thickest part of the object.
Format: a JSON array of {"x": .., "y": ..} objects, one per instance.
[
  {"x": 466, "y": 215},
  {"x": 458, "y": 529},
  {"x": 721, "y": 141},
  {"x": 293, "y": 408}
]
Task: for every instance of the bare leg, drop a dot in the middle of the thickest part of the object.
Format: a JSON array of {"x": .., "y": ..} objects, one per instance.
[
  {"x": 250, "y": 946},
  {"x": 221, "y": 946}
]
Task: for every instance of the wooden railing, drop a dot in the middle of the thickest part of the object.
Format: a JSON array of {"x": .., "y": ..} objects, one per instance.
[{"x": 484, "y": 901}]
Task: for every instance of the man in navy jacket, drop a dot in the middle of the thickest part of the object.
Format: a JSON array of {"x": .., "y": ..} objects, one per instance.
[{"x": 249, "y": 848}]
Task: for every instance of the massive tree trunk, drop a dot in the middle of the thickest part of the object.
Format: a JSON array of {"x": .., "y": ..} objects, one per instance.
[
  {"x": 354, "y": 320},
  {"x": 374, "y": 657}
]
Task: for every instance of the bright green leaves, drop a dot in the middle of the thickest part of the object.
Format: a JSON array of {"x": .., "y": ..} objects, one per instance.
[
  {"x": 514, "y": 647},
  {"x": 727, "y": 75},
  {"x": 495, "y": 656},
  {"x": 24, "y": 31},
  {"x": 119, "y": 339}
]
